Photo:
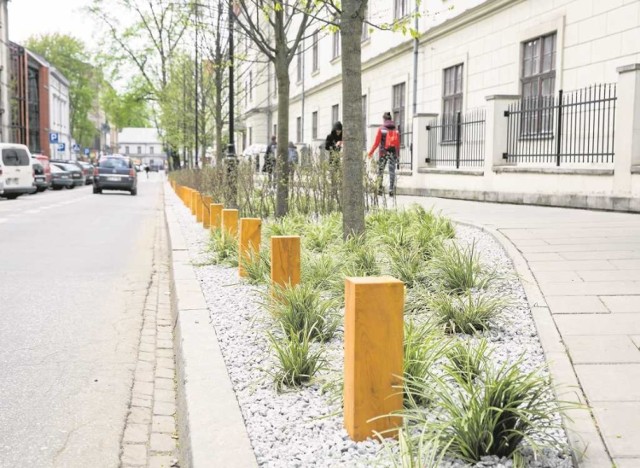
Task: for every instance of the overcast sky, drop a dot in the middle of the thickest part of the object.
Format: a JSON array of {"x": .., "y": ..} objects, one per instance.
[{"x": 33, "y": 17}]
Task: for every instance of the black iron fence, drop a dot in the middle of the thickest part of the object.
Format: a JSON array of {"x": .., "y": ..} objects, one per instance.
[
  {"x": 572, "y": 127},
  {"x": 457, "y": 140},
  {"x": 406, "y": 151}
]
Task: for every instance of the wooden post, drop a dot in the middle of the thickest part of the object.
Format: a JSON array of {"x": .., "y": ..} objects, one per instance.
[
  {"x": 199, "y": 207},
  {"x": 206, "y": 216},
  {"x": 230, "y": 222},
  {"x": 194, "y": 202},
  {"x": 285, "y": 260},
  {"x": 215, "y": 215},
  {"x": 373, "y": 355},
  {"x": 249, "y": 241}
]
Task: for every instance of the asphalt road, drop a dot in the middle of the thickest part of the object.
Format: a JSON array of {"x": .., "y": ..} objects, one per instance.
[{"x": 74, "y": 269}]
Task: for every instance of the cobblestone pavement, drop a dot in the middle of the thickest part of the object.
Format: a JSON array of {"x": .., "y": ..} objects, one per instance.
[{"x": 150, "y": 437}]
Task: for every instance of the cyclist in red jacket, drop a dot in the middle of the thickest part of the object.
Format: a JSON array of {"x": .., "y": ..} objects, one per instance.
[{"x": 388, "y": 144}]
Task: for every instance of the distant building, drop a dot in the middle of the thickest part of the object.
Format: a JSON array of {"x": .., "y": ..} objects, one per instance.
[
  {"x": 143, "y": 144},
  {"x": 4, "y": 73},
  {"x": 39, "y": 104}
]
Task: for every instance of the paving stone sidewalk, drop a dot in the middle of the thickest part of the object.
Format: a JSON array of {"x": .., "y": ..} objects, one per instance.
[
  {"x": 150, "y": 438},
  {"x": 587, "y": 265}
]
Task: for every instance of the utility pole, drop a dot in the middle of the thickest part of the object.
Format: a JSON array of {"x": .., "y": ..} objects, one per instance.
[{"x": 232, "y": 161}]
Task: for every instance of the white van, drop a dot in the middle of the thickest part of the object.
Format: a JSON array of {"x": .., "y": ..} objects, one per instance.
[{"x": 16, "y": 171}]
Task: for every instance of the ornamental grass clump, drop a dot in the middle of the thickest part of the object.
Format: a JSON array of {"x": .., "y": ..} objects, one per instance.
[
  {"x": 424, "y": 345},
  {"x": 301, "y": 310},
  {"x": 225, "y": 248},
  {"x": 416, "y": 450},
  {"x": 296, "y": 360},
  {"x": 459, "y": 269},
  {"x": 467, "y": 313},
  {"x": 257, "y": 266},
  {"x": 466, "y": 360},
  {"x": 496, "y": 413},
  {"x": 407, "y": 265},
  {"x": 360, "y": 259},
  {"x": 321, "y": 271},
  {"x": 321, "y": 235}
]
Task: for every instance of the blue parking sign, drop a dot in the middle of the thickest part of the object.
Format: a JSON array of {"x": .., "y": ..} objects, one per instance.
[
  {"x": 53, "y": 137},
  {"x": 76, "y": 148},
  {"x": 86, "y": 151},
  {"x": 61, "y": 146}
]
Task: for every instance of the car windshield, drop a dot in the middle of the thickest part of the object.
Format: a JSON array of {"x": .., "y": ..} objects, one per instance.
[
  {"x": 15, "y": 157},
  {"x": 55, "y": 169},
  {"x": 68, "y": 167},
  {"x": 114, "y": 163}
]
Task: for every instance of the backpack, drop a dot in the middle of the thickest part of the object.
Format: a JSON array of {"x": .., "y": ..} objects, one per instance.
[{"x": 392, "y": 139}]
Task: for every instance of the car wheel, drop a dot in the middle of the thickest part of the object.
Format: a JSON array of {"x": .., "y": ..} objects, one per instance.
[
  {"x": 71, "y": 187},
  {"x": 56, "y": 188},
  {"x": 134, "y": 191},
  {"x": 41, "y": 189},
  {"x": 97, "y": 190},
  {"x": 12, "y": 196}
]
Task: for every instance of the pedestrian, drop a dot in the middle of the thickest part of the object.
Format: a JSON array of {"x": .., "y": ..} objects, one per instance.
[
  {"x": 292, "y": 153},
  {"x": 270, "y": 159},
  {"x": 333, "y": 144},
  {"x": 146, "y": 170},
  {"x": 388, "y": 144}
]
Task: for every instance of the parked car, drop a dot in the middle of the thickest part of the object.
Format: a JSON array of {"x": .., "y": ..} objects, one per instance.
[
  {"x": 38, "y": 176},
  {"x": 46, "y": 164},
  {"x": 115, "y": 172},
  {"x": 76, "y": 173},
  {"x": 16, "y": 171},
  {"x": 60, "y": 178},
  {"x": 87, "y": 168}
]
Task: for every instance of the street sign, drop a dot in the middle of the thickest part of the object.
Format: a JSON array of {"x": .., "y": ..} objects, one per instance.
[
  {"x": 87, "y": 151},
  {"x": 61, "y": 146},
  {"x": 53, "y": 137},
  {"x": 76, "y": 148}
]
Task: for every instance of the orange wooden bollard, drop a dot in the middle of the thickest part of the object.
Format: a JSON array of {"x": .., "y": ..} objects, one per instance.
[
  {"x": 206, "y": 216},
  {"x": 285, "y": 260},
  {"x": 249, "y": 241},
  {"x": 199, "y": 207},
  {"x": 193, "y": 203},
  {"x": 215, "y": 215},
  {"x": 230, "y": 222},
  {"x": 373, "y": 355}
]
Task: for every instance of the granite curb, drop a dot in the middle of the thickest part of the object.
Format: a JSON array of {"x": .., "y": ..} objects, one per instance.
[
  {"x": 211, "y": 426},
  {"x": 588, "y": 448}
]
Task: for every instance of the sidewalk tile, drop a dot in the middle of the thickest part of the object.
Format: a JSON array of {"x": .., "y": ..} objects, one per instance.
[
  {"x": 571, "y": 265},
  {"x": 557, "y": 277},
  {"x": 164, "y": 384},
  {"x": 636, "y": 340},
  {"x": 598, "y": 324},
  {"x": 165, "y": 373},
  {"x": 600, "y": 255},
  {"x": 619, "y": 424},
  {"x": 139, "y": 415},
  {"x": 167, "y": 396},
  {"x": 610, "y": 383},
  {"x": 136, "y": 433},
  {"x": 602, "y": 349},
  {"x": 160, "y": 461},
  {"x": 627, "y": 462},
  {"x": 134, "y": 454},
  {"x": 162, "y": 408},
  {"x": 599, "y": 288},
  {"x": 613, "y": 275},
  {"x": 544, "y": 257},
  {"x": 162, "y": 443},
  {"x": 576, "y": 305},
  {"x": 633, "y": 264},
  {"x": 626, "y": 304},
  {"x": 165, "y": 424}
]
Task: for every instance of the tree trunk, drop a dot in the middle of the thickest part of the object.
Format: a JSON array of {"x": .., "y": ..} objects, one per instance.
[
  {"x": 352, "y": 158},
  {"x": 282, "y": 160}
]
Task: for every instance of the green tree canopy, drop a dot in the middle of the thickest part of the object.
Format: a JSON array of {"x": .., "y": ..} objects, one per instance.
[
  {"x": 129, "y": 108},
  {"x": 69, "y": 55}
]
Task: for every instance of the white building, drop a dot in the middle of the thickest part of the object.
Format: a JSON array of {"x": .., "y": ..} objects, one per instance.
[
  {"x": 478, "y": 58},
  {"x": 143, "y": 144},
  {"x": 59, "y": 114}
]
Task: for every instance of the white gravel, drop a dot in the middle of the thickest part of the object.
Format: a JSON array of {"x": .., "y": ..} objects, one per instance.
[{"x": 304, "y": 427}]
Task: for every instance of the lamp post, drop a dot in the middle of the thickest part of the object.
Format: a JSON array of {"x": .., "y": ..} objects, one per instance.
[{"x": 231, "y": 158}]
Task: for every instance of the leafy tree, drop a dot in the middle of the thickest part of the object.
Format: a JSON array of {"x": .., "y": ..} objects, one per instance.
[
  {"x": 69, "y": 55},
  {"x": 129, "y": 108}
]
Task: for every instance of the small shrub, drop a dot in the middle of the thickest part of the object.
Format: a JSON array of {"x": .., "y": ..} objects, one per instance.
[
  {"x": 359, "y": 255},
  {"x": 407, "y": 265},
  {"x": 417, "y": 300},
  {"x": 467, "y": 361},
  {"x": 466, "y": 314},
  {"x": 297, "y": 363},
  {"x": 225, "y": 248},
  {"x": 321, "y": 235},
  {"x": 416, "y": 449},
  {"x": 301, "y": 310},
  {"x": 321, "y": 271},
  {"x": 493, "y": 415},
  {"x": 457, "y": 269}
]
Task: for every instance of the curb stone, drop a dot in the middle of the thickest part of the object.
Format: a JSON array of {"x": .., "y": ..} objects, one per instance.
[
  {"x": 587, "y": 446},
  {"x": 211, "y": 426}
]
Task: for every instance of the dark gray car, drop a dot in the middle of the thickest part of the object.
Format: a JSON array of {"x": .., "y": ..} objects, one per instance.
[{"x": 115, "y": 173}]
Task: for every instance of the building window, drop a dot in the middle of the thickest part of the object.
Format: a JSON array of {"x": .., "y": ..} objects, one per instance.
[
  {"x": 314, "y": 125},
  {"x": 250, "y": 136},
  {"x": 398, "y": 106},
  {"x": 126, "y": 150},
  {"x": 275, "y": 85},
  {"x": 275, "y": 130},
  {"x": 314, "y": 51},
  {"x": 451, "y": 100},
  {"x": 400, "y": 9},
  {"x": 364, "y": 122},
  {"x": 151, "y": 150},
  {"x": 365, "y": 27},
  {"x": 250, "y": 85},
  {"x": 335, "y": 113},
  {"x": 538, "y": 84},
  {"x": 299, "y": 60},
  {"x": 336, "y": 45},
  {"x": 139, "y": 149},
  {"x": 299, "y": 129}
]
